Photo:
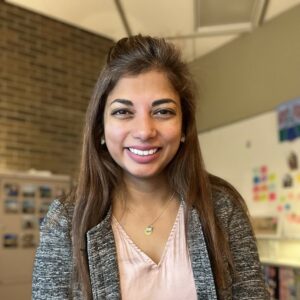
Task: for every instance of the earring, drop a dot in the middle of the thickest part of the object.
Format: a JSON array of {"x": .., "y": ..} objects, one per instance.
[
  {"x": 182, "y": 140},
  {"x": 102, "y": 141}
]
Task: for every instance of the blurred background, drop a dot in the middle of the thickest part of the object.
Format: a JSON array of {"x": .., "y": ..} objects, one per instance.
[{"x": 244, "y": 55}]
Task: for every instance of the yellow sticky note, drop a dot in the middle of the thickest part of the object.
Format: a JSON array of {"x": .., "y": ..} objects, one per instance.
[
  {"x": 298, "y": 178},
  {"x": 272, "y": 177}
]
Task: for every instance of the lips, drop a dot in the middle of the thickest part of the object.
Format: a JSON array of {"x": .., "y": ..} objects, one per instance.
[
  {"x": 143, "y": 152},
  {"x": 143, "y": 155}
]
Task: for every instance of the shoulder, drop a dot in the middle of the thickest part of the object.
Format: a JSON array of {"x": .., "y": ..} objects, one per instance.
[
  {"x": 53, "y": 265},
  {"x": 59, "y": 216},
  {"x": 55, "y": 244},
  {"x": 229, "y": 205},
  {"x": 224, "y": 201}
]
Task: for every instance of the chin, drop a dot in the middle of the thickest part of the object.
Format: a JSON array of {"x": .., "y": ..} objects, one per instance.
[{"x": 145, "y": 175}]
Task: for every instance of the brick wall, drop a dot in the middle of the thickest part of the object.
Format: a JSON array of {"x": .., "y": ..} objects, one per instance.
[{"x": 47, "y": 73}]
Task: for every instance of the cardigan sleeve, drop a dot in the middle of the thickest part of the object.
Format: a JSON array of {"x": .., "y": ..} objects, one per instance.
[
  {"x": 247, "y": 281},
  {"x": 53, "y": 261}
]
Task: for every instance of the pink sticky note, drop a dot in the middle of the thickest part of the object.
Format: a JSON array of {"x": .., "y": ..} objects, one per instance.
[
  {"x": 279, "y": 208},
  {"x": 264, "y": 169},
  {"x": 264, "y": 178},
  {"x": 272, "y": 196}
]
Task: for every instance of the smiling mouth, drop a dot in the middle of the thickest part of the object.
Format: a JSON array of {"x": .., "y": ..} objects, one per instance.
[{"x": 143, "y": 152}]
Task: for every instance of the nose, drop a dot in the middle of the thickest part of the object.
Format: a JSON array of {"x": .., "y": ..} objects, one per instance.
[{"x": 144, "y": 128}]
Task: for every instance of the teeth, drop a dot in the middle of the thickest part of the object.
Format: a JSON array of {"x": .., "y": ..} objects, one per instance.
[{"x": 143, "y": 153}]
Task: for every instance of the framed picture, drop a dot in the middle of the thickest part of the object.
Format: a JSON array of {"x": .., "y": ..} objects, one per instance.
[
  {"x": 28, "y": 206},
  {"x": 28, "y": 240},
  {"x": 10, "y": 240},
  {"x": 11, "y": 189},
  {"x": 266, "y": 226},
  {"x": 45, "y": 191},
  {"x": 11, "y": 206},
  {"x": 28, "y": 191},
  {"x": 29, "y": 222}
]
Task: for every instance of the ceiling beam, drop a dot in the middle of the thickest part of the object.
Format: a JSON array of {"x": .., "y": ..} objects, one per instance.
[{"x": 123, "y": 17}]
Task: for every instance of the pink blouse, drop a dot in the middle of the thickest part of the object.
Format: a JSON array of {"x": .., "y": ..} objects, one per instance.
[{"x": 141, "y": 278}]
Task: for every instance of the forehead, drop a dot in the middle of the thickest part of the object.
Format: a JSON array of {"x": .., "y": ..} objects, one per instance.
[{"x": 150, "y": 85}]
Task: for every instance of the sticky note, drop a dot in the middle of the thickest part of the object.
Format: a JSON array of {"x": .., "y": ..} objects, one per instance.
[
  {"x": 282, "y": 198},
  {"x": 287, "y": 206},
  {"x": 263, "y": 197},
  {"x": 256, "y": 197},
  {"x": 272, "y": 177},
  {"x": 264, "y": 169},
  {"x": 256, "y": 180},
  {"x": 272, "y": 196}
]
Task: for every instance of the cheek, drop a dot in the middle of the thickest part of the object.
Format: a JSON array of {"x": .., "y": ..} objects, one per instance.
[
  {"x": 174, "y": 137},
  {"x": 114, "y": 135},
  {"x": 173, "y": 133}
]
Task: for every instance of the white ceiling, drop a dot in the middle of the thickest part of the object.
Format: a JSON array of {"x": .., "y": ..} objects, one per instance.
[{"x": 166, "y": 18}]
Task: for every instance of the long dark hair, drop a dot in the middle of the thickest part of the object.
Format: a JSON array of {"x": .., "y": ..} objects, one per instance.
[{"x": 99, "y": 174}]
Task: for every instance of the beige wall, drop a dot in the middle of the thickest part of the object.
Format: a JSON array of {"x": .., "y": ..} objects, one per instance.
[{"x": 250, "y": 75}]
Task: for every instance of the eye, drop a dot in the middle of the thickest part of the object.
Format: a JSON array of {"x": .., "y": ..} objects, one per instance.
[
  {"x": 121, "y": 113},
  {"x": 164, "y": 112}
]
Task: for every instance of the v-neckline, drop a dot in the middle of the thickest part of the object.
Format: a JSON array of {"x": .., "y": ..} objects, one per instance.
[{"x": 146, "y": 257}]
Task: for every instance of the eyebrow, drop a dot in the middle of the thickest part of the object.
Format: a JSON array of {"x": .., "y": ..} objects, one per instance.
[{"x": 155, "y": 103}]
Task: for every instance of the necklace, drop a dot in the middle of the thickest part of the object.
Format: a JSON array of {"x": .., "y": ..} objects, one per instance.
[{"x": 150, "y": 228}]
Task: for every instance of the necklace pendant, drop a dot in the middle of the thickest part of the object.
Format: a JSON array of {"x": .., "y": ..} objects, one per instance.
[{"x": 148, "y": 230}]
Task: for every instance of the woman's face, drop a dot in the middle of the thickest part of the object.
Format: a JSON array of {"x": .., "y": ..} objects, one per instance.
[{"x": 142, "y": 124}]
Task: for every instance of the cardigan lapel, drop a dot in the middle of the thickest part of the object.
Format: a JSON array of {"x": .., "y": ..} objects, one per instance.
[
  {"x": 102, "y": 261},
  {"x": 203, "y": 275}
]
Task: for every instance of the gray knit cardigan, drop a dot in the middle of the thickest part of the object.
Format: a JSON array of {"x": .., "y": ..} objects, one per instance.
[{"x": 54, "y": 267}]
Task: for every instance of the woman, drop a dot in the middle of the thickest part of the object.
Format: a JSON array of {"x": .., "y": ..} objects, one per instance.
[{"x": 146, "y": 220}]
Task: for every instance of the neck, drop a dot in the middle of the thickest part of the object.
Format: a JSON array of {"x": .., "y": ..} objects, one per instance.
[
  {"x": 145, "y": 204},
  {"x": 143, "y": 193}
]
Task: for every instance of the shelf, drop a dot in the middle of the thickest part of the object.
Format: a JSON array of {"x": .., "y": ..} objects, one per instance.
[{"x": 280, "y": 262}]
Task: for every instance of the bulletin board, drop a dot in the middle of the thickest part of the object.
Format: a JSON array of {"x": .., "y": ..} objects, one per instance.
[
  {"x": 24, "y": 201},
  {"x": 265, "y": 171}
]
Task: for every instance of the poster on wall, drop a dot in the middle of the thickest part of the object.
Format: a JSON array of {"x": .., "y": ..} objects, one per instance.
[{"x": 288, "y": 115}]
